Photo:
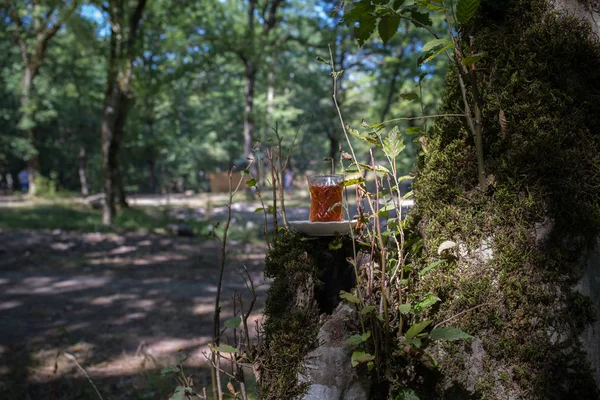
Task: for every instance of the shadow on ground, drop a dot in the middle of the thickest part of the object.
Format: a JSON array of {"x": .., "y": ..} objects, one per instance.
[{"x": 124, "y": 305}]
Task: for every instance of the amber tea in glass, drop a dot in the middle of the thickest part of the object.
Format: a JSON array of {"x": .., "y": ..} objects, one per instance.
[{"x": 325, "y": 198}]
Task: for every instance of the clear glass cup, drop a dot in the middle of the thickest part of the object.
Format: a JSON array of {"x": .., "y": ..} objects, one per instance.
[{"x": 325, "y": 198}]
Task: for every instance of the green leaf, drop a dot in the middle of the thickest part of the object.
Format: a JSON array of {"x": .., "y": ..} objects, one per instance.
[
  {"x": 413, "y": 130},
  {"x": 410, "y": 96},
  {"x": 405, "y": 308},
  {"x": 432, "y": 44},
  {"x": 364, "y": 30},
  {"x": 387, "y": 28},
  {"x": 366, "y": 336},
  {"x": 259, "y": 210},
  {"x": 465, "y": 10},
  {"x": 417, "y": 328},
  {"x": 353, "y": 181},
  {"x": 448, "y": 333},
  {"x": 171, "y": 369},
  {"x": 349, "y": 297},
  {"x": 369, "y": 138},
  {"x": 251, "y": 182},
  {"x": 428, "y": 302},
  {"x": 470, "y": 60},
  {"x": 360, "y": 356},
  {"x": 393, "y": 144},
  {"x": 397, "y": 4},
  {"x": 354, "y": 12},
  {"x": 430, "y": 267},
  {"x": 367, "y": 310},
  {"x": 413, "y": 341},
  {"x": 407, "y": 394},
  {"x": 233, "y": 322},
  {"x": 321, "y": 59},
  {"x": 384, "y": 211},
  {"x": 226, "y": 349},
  {"x": 422, "y": 18},
  {"x": 378, "y": 169},
  {"x": 335, "y": 244},
  {"x": 179, "y": 394},
  {"x": 431, "y": 7},
  {"x": 355, "y": 340},
  {"x": 437, "y": 53}
]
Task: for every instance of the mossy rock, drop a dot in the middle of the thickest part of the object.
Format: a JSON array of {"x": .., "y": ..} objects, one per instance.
[
  {"x": 542, "y": 73},
  {"x": 307, "y": 274}
]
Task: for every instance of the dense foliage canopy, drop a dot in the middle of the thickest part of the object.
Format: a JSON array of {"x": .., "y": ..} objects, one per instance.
[{"x": 190, "y": 71}]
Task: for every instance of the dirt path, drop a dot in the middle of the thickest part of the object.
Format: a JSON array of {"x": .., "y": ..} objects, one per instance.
[{"x": 124, "y": 305}]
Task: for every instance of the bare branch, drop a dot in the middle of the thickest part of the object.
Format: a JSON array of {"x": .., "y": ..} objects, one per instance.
[
  {"x": 18, "y": 31},
  {"x": 134, "y": 22},
  {"x": 272, "y": 19}
]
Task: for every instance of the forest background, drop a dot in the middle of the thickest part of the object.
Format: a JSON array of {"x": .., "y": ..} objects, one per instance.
[{"x": 208, "y": 79}]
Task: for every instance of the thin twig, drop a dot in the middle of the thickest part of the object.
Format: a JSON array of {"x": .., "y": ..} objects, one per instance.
[
  {"x": 420, "y": 117},
  {"x": 461, "y": 313},
  {"x": 72, "y": 358}
]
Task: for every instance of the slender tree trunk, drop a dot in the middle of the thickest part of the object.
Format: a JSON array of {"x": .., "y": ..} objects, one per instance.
[
  {"x": 334, "y": 145},
  {"x": 115, "y": 114},
  {"x": 109, "y": 165},
  {"x": 392, "y": 89},
  {"x": 32, "y": 55},
  {"x": 268, "y": 118},
  {"x": 270, "y": 101},
  {"x": 248, "y": 115},
  {"x": 27, "y": 120},
  {"x": 82, "y": 178},
  {"x": 121, "y": 194},
  {"x": 390, "y": 96},
  {"x": 116, "y": 101},
  {"x": 152, "y": 175}
]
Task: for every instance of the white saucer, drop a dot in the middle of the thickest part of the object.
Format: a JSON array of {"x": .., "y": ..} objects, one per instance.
[{"x": 323, "y": 228}]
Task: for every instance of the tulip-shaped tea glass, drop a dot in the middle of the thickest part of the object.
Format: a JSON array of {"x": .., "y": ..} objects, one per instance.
[{"x": 325, "y": 198}]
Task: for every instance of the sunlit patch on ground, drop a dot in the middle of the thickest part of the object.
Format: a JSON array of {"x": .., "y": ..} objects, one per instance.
[{"x": 124, "y": 306}]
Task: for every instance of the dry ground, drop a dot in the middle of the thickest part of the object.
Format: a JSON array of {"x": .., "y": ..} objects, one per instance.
[{"x": 125, "y": 305}]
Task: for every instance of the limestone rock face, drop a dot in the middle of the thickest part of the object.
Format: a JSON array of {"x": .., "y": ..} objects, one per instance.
[
  {"x": 581, "y": 10},
  {"x": 328, "y": 367}
]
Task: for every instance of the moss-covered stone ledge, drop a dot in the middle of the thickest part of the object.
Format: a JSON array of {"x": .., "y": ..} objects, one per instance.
[{"x": 308, "y": 274}]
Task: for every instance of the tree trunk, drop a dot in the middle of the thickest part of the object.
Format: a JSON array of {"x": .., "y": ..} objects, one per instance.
[
  {"x": 82, "y": 178},
  {"x": 392, "y": 89},
  {"x": 32, "y": 56},
  {"x": 121, "y": 194},
  {"x": 27, "y": 118},
  {"x": 152, "y": 175},
  {"x": 268, "y": 121},
  {"x": 116, "y": 102},
  {"x": 393, "y": 80},
  {"x": 115, "y": 113},
  {"x": 248, "y": 117},
  {"x": 334, "y": 145}
]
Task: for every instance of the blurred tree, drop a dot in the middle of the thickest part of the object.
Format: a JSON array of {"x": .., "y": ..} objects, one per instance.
[
  {"x": 34, "y": 25},
  {"x": 186, "y": 71},
  {"x": 124, "y": 21}
]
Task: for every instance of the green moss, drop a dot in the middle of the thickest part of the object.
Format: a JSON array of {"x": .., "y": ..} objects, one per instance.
[
  {"x": 291, "y": 326},
  {"x": 543, "y": 72}
]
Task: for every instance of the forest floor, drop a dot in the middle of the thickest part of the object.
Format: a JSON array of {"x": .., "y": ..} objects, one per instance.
[{"x": 125, "y": 303}]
